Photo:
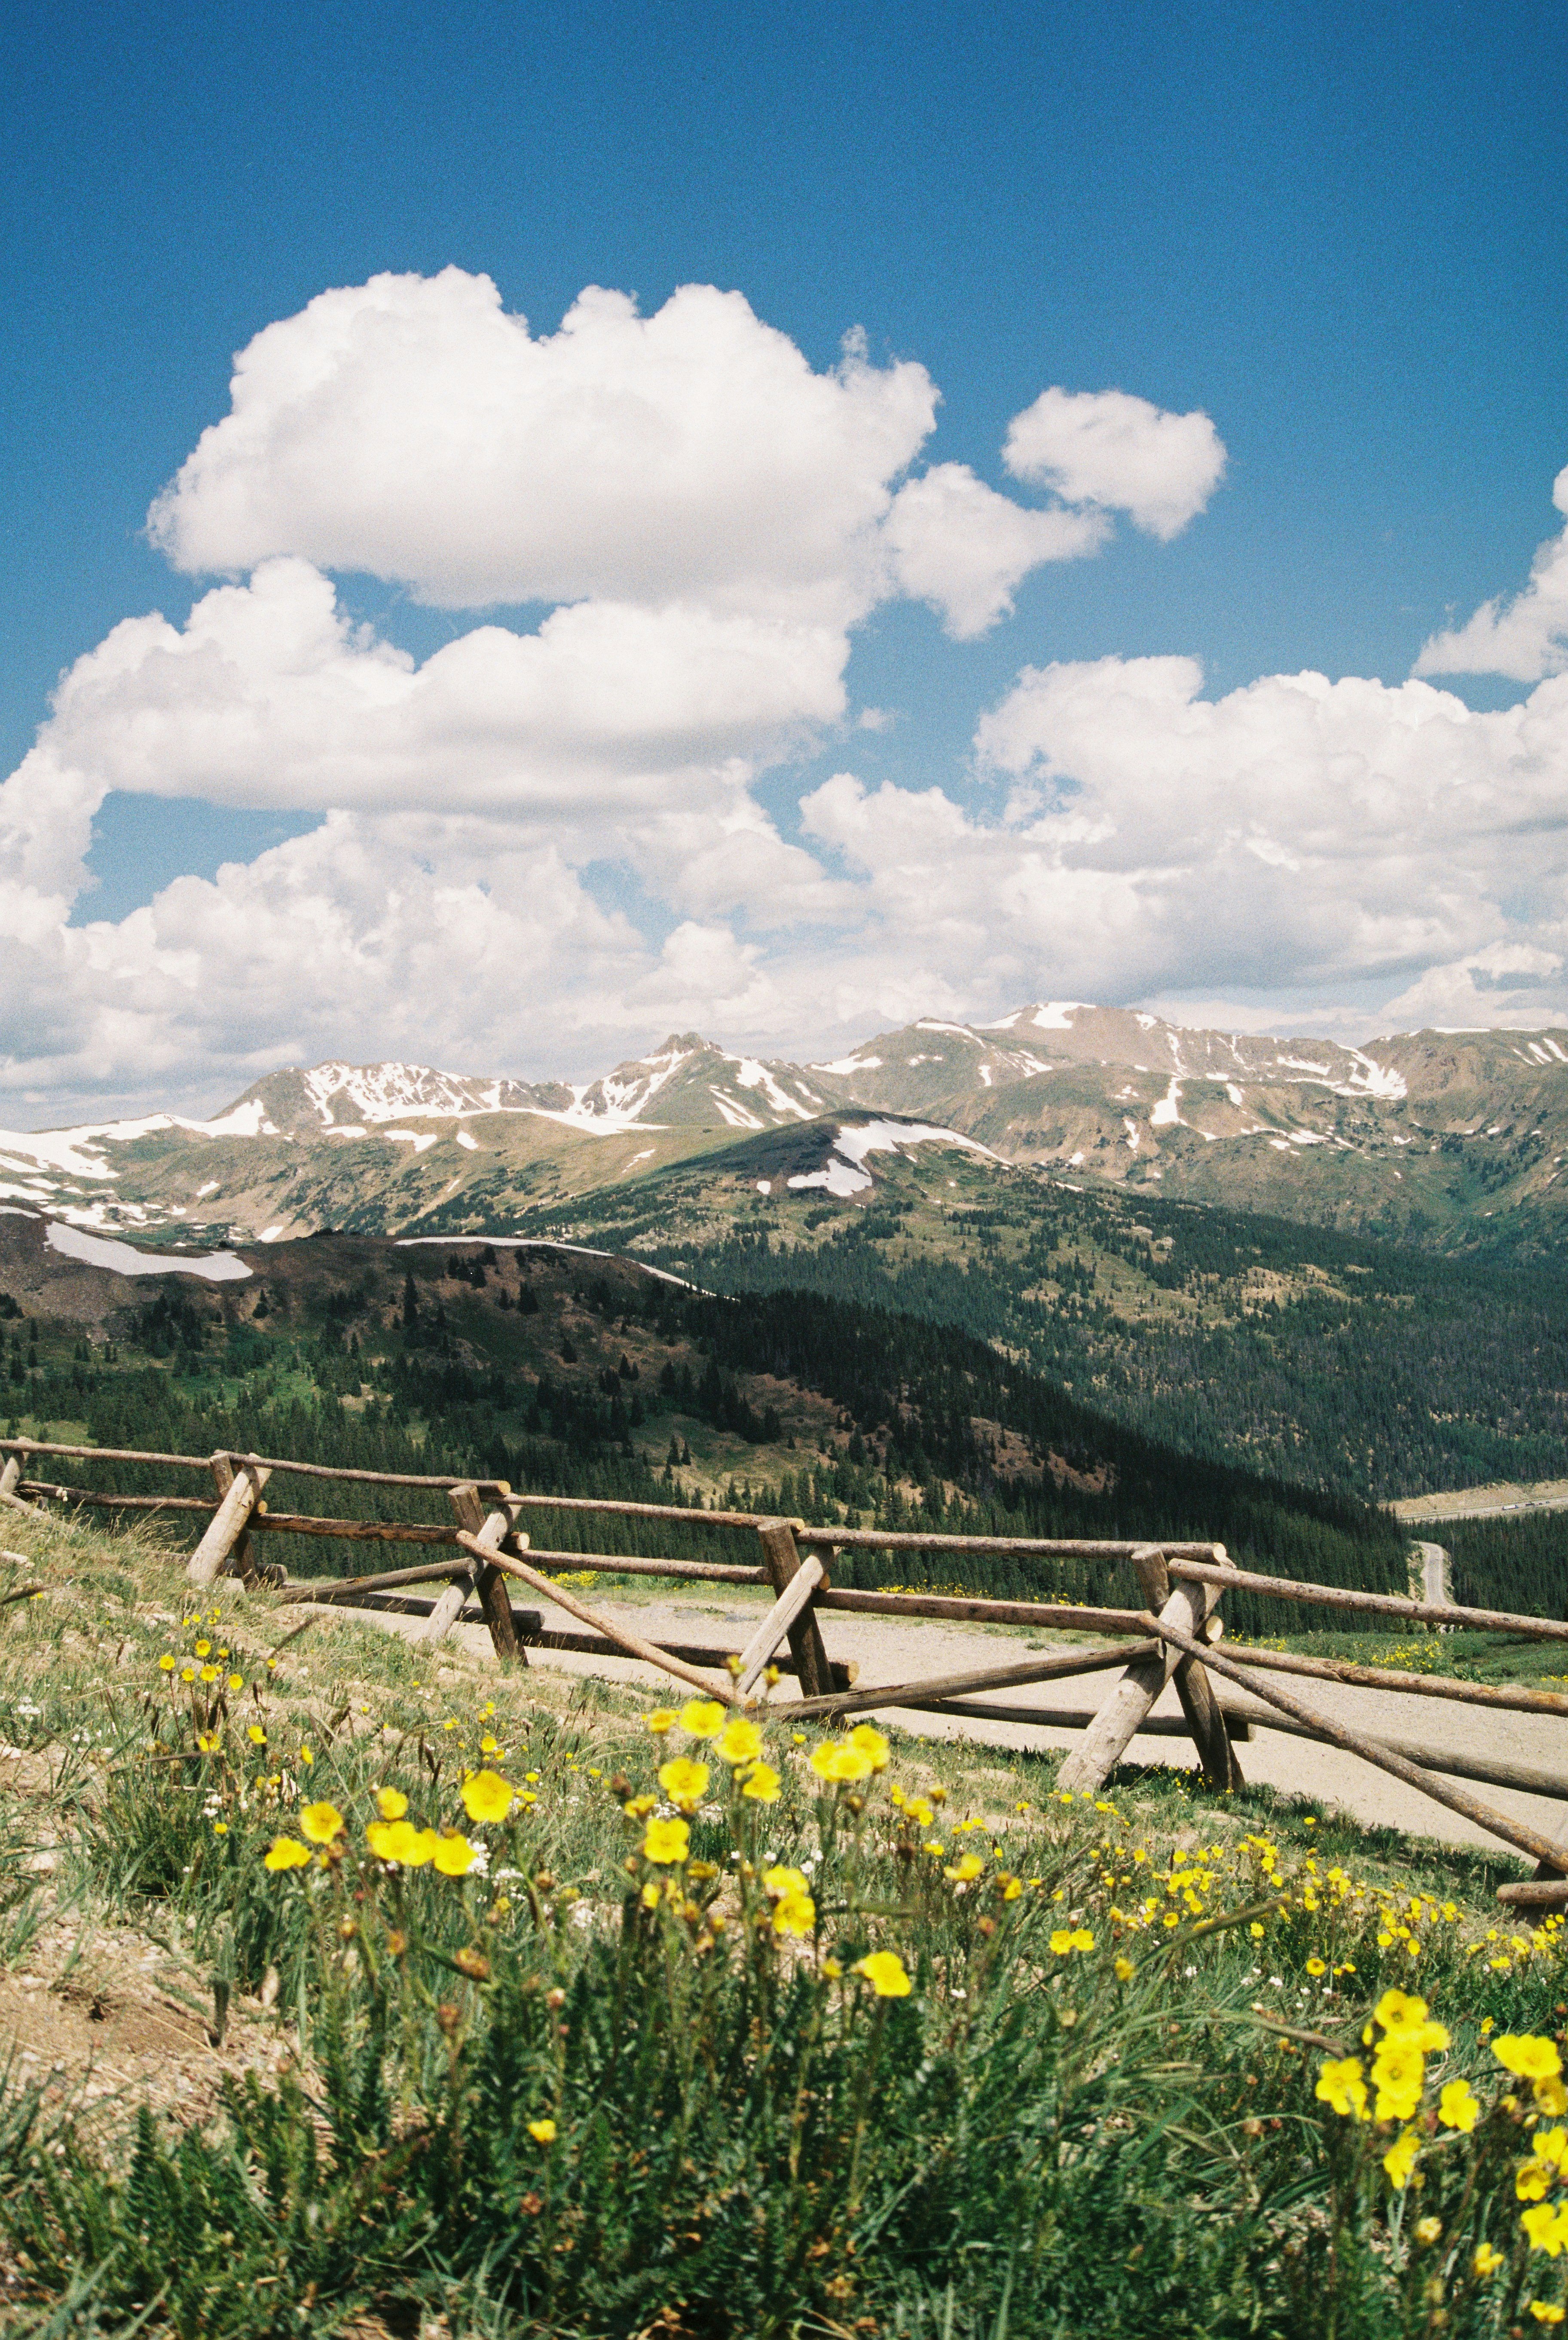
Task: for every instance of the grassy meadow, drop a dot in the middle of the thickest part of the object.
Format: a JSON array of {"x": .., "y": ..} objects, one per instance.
[{"x": 514, "y": 2005}]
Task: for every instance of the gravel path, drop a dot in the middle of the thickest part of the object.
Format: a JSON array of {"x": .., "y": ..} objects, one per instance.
[
  {"x": 1434, "y": 1574},
  {"x": 895, "y": 1649}
]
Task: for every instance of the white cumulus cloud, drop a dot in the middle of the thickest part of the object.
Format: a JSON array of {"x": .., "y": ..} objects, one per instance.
[
  {"x": 1105, "y": 447},
  {"x": 1525, "y": 637},
  {"x": 956, "y": 543}
]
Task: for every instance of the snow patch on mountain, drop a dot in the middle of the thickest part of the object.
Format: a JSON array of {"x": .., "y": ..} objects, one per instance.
[
  {"x": 845, "y": 1172},
  {"x": 216, "y": 1267}
]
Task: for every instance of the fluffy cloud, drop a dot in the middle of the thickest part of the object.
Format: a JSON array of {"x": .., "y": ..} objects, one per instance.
[
  {"x": 270, "y": 696},
  {"x": 1104, "y": 447},
  {"x": 1292, "y": 837},
  {"x": 409, "y": 428},
  {"x": 956, "y": 543},
  {"x": 1525, "y": 638}
]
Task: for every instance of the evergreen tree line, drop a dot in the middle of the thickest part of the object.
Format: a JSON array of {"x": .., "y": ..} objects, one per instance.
[
  {"x": 1520, "y": 1563},
  {"x": 1415, "y": 1374},
  {"x": 909, "y": 1393}
]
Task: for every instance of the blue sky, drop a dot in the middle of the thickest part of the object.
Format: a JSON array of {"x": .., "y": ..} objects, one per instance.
[{"x": 1338, "y": 233}]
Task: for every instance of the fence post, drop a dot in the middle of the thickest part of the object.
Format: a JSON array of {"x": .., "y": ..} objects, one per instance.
[
  {"x": 781, "y": 1559},
  {"x": 226, "y": 1528},
  {"x": 495, "y": 1600},
  {"x": 1221, "y": 1767},
  {"x": 8, "y": 1495},
  {"x": 1116, "y": 1723}
]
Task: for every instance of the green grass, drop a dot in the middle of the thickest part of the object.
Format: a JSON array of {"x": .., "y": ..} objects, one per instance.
[{"x": 1080, "y": 2119}]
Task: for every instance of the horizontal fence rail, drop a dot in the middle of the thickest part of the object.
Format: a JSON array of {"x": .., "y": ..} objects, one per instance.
[{"x": 481, "y": 1551}]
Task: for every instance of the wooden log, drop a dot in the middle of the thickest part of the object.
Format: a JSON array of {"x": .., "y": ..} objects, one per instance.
[
  {"x": 865, "y": 1701},
  {"x": 782, "y": 1560},
  {"x": 1069, "y": 1718},
  {"x": 494, "y": 1600},
  {"x": 256, "y": 1462},
  {"x": 8, "y": 1495},
  {"x": 1193, "y": 1688},
  {"x": 631, "y": 1645},
  {"x": 1529, "y": 1778},
  {"x": 1086, "y": 1768},
  {"x": 1339, "y": 1670},
  {"x": 978, "y": 1612},
  {"x": 1372, "y": 1604},
  {"x": 694, "y": 1653},
  {"x": 1015, "y": 1547},
  {"x": 241, "y": 1562},
  {"x": 345, "y": 1588},
  {"x": 1518, "y": 1833},
  {"x": 776, "y": 1624},
  {"x": 609, "y": 1563},
  {"x": 1541, "y": 1893},
  {"x": 96, "y": 1500},
  {"x": 226, "y": 1525}
]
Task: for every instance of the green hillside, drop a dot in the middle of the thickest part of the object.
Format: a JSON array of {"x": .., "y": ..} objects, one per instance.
[
  {"x": 564, "y": 1374},
  {"x": 1322, "y": 1357}
]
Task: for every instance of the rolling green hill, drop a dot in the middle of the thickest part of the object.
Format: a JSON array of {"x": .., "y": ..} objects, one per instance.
[{"x": 566, "y": 1372}]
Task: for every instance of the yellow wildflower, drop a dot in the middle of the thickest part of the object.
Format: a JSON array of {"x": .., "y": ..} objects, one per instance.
[
  {"x": 1400, "y": 2158},
  {"x": 256, "y": 1735},
  {"x": 203, "y": 1649},
  {"x": 1457, "y": 2106},
  {"x": 1528, "y": 2058},
  {"x": 667, "y": 1842},
  {"x": 838, "y": 1764},
  {"x": 884, "y": 1970},
  {"x": 869, "y": 1742},
  {"x": 1124, "y": 1970},
  {"x": 236, "y": 1683},
  {"x": 391, "y": 1803},
  {"x": 1547, "y": 2227},
  {"x": 1486, "y": 2260},
  {"x": 322, "y": 1822},
  {"x": 703, "y": 1717},
  {"x": 1428, "y": 2229},
  {"x": 965, "y": 1871},
  {"x": 1546, "y": 2312},
  {"x": 779, "y": 1881},
  {"x": 454, "y": 1854},
  {"x": 762, "y": 1784},
  {"x": 684, "y": 1782},
  {"x": 738, "y": 1742},
  {"x": 1315, "y": 1966},
  {"x": 1341, "y": 2086},
  {"x": 661, "y": 1719},
  {"x": 543, "y": 2132},
  {"x": 166, "y": 1663},
  {"x": 794, "y": 1914},
  {"x": 487, "y": 1796},
  {"x": 287, "y": 1852}
]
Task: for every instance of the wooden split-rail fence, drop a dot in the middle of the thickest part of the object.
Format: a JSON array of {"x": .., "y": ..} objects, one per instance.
[{"x": 1175, "y": 1638}]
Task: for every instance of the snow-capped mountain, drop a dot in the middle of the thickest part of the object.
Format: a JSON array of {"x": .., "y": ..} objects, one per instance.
[{"x": 1411, "y": 1134}]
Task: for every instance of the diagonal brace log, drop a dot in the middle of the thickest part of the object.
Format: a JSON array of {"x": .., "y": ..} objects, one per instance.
[
  {"x": 225, "y": 1530},
  {"x": 782, "y": 1560},
  {"x": 1221, "y": 1766},
  {"x": 630, "y": 1645},
  {"x": 1518, "y": 1833},
  {"x": 776, "y": 1624},
  {"x": 858, "y": 1701},
  {"x": 491, "y": 1527},
  {"x": 1114, "y": 1727}
]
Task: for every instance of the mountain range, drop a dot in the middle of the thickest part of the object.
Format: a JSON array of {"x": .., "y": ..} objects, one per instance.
[{"x": 1450, "y": 1138}]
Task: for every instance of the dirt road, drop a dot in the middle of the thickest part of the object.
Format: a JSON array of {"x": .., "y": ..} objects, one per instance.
[{"x": 891, "y": 1651}]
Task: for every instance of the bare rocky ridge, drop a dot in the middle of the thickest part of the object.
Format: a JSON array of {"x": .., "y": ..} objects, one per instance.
[{"x": 1425, "y": 1135}]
